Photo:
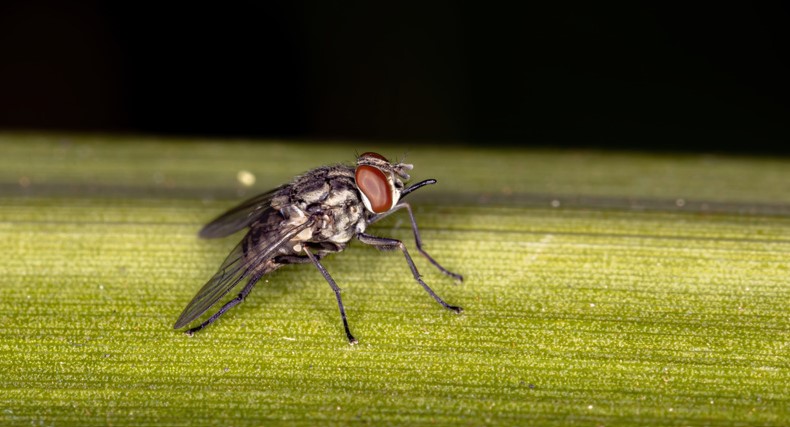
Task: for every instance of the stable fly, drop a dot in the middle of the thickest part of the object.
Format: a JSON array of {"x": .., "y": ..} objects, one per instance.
[{"x": 301, "y": 222}]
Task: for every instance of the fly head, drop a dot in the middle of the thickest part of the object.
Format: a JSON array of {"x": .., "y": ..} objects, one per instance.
[{"x": 380, "y": 182}]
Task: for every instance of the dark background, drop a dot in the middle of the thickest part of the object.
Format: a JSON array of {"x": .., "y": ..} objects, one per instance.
[{"x": 633, "y": 76}]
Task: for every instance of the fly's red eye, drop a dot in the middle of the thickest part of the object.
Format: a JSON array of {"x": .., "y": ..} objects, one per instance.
[
  {"x": 374, "y": 155},
  {"x": 375, "y": 187}
]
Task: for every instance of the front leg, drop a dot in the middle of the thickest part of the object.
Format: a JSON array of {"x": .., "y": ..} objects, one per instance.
[
  {"x": 386, "y": 243},
  {"x": 417, "y": 238}
]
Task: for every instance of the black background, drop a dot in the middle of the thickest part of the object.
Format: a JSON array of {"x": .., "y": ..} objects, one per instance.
[{"x": 629, "y": 76}]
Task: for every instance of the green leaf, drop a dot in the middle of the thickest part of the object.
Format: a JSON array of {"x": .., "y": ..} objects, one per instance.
[{"x": 601, "y": 288}]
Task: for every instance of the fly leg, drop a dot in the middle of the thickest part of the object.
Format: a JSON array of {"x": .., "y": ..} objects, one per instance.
[
  {"x": 336, "y": 289},
  {"x": 230, "y": 304},
  {"x": 417, "y": 239},
  {"x": 386, "y": 243}
]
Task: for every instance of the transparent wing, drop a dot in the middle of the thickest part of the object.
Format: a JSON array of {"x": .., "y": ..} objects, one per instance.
[
  {"x": 234, "y": 269},
  {"x": 239, "y": 217}
]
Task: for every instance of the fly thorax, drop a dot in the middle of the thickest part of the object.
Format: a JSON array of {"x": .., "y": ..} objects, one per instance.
[{"x": 294, "y": 217}]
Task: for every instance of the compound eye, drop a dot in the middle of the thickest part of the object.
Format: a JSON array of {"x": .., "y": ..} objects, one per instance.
[{"x": 376, "y": 189}]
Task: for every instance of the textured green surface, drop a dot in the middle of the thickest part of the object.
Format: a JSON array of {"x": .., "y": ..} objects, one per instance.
[{"x": 601, "y": 289}]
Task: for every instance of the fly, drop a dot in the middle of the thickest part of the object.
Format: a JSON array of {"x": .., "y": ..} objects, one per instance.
[{"x": 303, "y": 221}]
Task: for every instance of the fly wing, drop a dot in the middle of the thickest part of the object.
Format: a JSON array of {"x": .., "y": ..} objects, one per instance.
[
  {"x": 234, "y": 269},
  {"x": 239, "y": 217}
]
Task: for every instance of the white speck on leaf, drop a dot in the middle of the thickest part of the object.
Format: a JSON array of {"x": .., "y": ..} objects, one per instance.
[{"x": 245, "y": 178}]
